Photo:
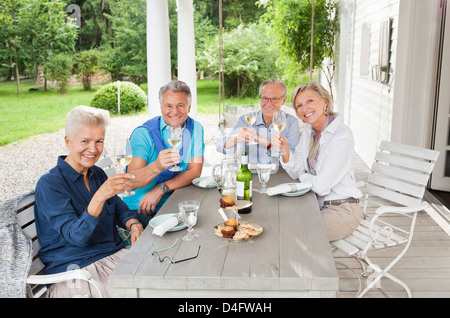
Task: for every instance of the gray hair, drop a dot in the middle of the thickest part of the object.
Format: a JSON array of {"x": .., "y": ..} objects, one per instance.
[
  {"x": 320, "y": 91},
  {"x": 176, "y": 87},
  {"x": 274, "y": 81},
  {"x": 85, "y": 116}
]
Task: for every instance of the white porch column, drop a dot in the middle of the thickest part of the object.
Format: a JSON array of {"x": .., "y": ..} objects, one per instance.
[
  {"x": 158, "y": 52},
  {"x": 186, "y": 49}
]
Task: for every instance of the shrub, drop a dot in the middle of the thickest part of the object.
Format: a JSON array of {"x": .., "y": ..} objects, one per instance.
[{"x": 132, "y": 98}]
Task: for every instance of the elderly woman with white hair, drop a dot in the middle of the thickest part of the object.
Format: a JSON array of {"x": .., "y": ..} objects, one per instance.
[{"x": 77, "y": 208}]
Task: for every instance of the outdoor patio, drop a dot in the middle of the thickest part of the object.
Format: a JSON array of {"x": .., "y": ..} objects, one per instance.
[{"x": 425, "y": 268}]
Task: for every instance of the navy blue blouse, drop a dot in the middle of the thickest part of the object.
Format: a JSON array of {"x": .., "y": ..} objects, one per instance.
[{"x": 69, "y": 236}]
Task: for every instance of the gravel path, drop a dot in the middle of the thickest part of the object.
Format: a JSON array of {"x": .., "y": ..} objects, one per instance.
[{"x": 22, "y": 163}]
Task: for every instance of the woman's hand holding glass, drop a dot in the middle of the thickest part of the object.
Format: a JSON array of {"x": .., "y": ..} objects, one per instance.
[
  {"x": 114, "y": 185},
  {"x": 123, "y": 155},
  {"x": 280, "y": 142}
]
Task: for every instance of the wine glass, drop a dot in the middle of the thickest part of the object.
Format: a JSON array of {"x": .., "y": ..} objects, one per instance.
[
  {"x": 264, "y": 171},
  {"x": 175, "y": 139},
  {"x": 189, "y": 212},
  {"x": 279, "y": 123},
  {"x": 250, "y": 116},
  {"x": 123, "y": 155}
]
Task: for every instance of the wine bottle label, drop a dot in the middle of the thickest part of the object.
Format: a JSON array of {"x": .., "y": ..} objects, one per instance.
[
  {"x": 242, "y": 193},
  {"x": 240, "y": 190}
]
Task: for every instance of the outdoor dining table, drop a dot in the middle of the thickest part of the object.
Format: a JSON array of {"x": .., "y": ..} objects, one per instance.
[{"x": 290, "y": 258}]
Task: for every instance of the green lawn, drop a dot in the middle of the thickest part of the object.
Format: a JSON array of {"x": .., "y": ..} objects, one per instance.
[{"x": 33, "y": 113}]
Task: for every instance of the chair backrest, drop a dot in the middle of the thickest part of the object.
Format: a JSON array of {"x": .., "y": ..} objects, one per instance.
[
  {"x": 25, "y": 217},
  {"x": 105, "y": 162},
  {"x": 400, "y": 173}
]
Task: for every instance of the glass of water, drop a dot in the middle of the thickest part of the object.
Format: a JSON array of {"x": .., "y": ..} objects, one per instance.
[
  {"x": 189, "y": 211},
  {"x": 264, "y": 171}
]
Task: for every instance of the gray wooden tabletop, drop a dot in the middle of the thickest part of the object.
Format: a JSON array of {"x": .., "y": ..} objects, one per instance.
[{"x": 291, "y": 258}]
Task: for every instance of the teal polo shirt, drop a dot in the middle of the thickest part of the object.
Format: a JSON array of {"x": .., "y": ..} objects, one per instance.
[{"x": 144, "y": 147}]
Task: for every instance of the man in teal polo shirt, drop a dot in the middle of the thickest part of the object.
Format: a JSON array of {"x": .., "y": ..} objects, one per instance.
[{"x": 153, "y": 156}]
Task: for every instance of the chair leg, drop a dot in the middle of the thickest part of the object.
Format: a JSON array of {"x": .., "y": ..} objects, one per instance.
[
  {"x": 385, "y": 273},
  {"x": 362, "y": 263},
  {"x": 393, "y": 278}
]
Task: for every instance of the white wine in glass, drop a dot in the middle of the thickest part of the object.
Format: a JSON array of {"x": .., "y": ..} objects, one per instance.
[
  {"x": 175, "y": 139},
  {"x": 279, "y": 124},
  {"x": 250, "y": 117},
  {"x": 123, "y": 155}
]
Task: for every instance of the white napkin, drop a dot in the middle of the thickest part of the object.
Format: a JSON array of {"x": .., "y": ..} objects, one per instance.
[
  {"x": 288, "y": 188},
  {"x": 168, "y": 224},
  {"x": 206, "y": 182}
]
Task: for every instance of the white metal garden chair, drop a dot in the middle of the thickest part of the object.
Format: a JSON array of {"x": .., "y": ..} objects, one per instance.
[{"x": 398, "y": 177}]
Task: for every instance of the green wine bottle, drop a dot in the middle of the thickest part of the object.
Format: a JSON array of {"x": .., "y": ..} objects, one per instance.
[{"x": 244, "y": 181}]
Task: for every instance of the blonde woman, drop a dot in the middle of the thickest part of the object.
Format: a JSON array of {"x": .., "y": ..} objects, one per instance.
[
  {"x": 77, "y": 210},
  {"x": 324, "y": 158}
]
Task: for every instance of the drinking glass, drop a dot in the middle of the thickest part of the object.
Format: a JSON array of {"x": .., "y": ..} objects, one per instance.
[
  {"x": 189, "y": 211},
  {"x": 250, "y": 116},
  {"x": 175, "y": 139},
  {"x": 264, "y": 171},
  {"x": 123, "y": 155},
  {"x": 279, "y": 123}
]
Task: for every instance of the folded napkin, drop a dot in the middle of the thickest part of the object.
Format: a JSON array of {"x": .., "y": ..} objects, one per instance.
[
  {"x": 206, "y": 182},
  {"x": 168, "y": 224},
  {"x": 288, "y": 188}
]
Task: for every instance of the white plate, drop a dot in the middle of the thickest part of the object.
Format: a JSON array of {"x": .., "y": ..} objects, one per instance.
[
  {"x": 241, "y": 204},
  {"x": 198, "y": 180},
  {"x": 157, "y": 220}
]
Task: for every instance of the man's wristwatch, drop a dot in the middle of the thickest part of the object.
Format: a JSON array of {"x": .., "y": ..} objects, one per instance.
[{"x": 164, "y": 188}]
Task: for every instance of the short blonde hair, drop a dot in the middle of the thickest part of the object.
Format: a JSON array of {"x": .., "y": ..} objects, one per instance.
[
  {"x": 316, "y": 88},
  {"x": 85, "y": 116}
]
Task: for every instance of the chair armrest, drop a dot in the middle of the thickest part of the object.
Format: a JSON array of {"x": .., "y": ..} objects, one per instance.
[
  {"x": 398, "y": 209},
  {"x": 64, "y": 276},
  {"x": 59, "y": 277}
]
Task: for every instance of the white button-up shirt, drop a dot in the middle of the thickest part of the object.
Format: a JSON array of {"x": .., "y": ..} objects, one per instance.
[{"x": 335, "y": 168}]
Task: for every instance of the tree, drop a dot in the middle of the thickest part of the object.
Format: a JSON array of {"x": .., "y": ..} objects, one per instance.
[
  {"x": 291, "y": 22},
  {"x": 32, "y": 30},
  {"x": 129, "y": 20},
  {"x": 249, "y": 59}
]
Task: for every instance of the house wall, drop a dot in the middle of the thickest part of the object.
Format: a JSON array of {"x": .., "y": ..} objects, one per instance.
[
  {"x": 365, "y": 103},
  {"x": 400, "y": 109}
]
